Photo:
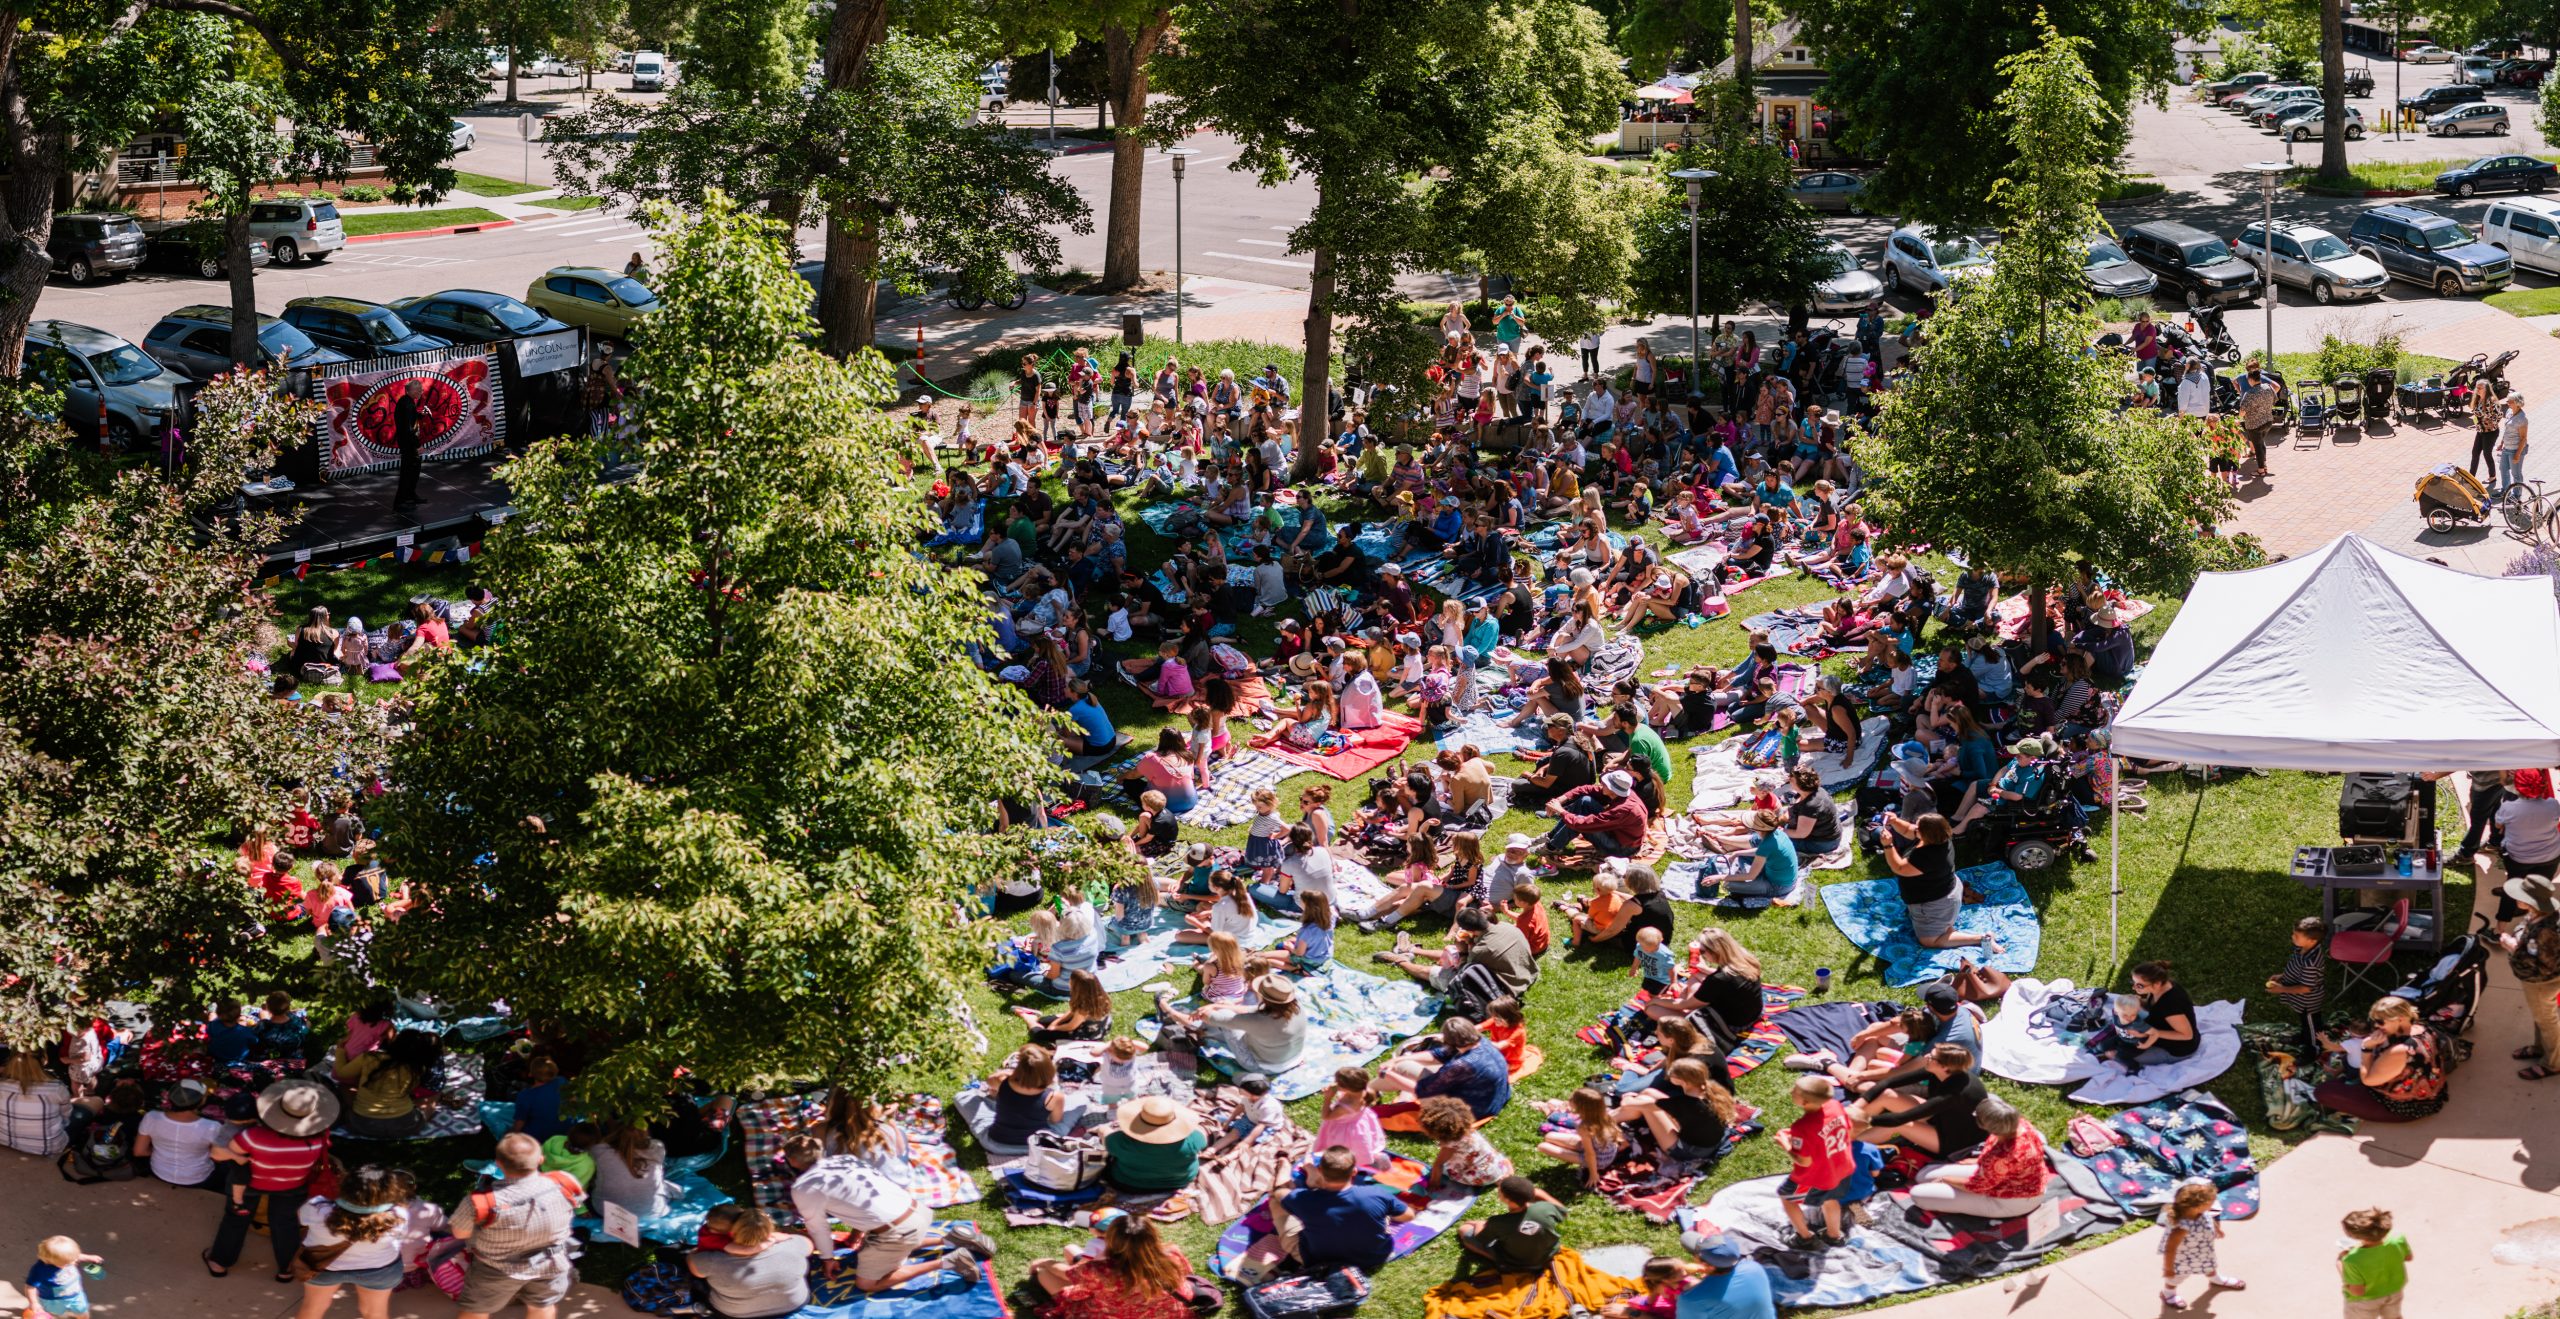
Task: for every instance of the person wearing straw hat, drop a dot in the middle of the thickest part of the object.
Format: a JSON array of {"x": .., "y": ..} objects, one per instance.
[
  {"x": 283, "y": 1153},
  {"x": 1268, "y": 1037},
  {"x": 2533, "y": 953},
  {"x": 1155, "y": 1148}
]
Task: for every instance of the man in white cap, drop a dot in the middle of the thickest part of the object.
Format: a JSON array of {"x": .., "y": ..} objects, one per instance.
[
  {"x": 1509, "y": 869},
  {"x": 1617, "y": 825}
]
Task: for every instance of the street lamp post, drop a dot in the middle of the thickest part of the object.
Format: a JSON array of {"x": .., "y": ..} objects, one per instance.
[
  {"x": 2267, "y": 172},
  {"x": 1179, "y": 155},
  {"x": 1695, "y": 180}
]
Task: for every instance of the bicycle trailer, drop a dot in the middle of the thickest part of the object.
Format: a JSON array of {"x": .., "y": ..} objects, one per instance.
[{"x": 2448, "y": 496}]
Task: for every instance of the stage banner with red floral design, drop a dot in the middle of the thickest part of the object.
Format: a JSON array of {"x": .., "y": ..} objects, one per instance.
[{"x": 460, "y": 413}]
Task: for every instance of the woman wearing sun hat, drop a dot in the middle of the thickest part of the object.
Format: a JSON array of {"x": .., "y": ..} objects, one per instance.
[
  {"x": 284, "y": 1152},
  {"x": 1268, "y": 1037},
  {"x": 1156, "y": 1147}
]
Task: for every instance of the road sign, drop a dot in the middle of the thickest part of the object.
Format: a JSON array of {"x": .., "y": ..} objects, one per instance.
[{"x": 527, "y": 123}]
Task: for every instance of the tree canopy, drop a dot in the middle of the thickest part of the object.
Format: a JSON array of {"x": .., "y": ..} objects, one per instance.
[
  {"x": 1756, "y": 244},
  {"x": 2009, "y": 441},
  {"x": 737, "y": 704}
]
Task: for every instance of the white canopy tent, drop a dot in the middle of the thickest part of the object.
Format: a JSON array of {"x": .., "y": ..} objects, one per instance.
[{"x": 2350, "y": 658}]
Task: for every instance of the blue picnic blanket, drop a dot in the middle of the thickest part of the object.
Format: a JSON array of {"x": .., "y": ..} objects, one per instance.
[
  {"x": 1380, "y": 541},
  {"x": 1483, "y": 729},
  {"x": 1686, "y": 881},
  {"x": 1160, "y": 517},
  {"x": 1792, "y": 631},
  {"x": 689, "y": 1197},
  {"x": 1124, "y": 969},
  {"x": 1229, "y": 800},
  {"x": 941, "y": 1294},
  {"x": 2170, "y": 1141},
  {"x": 1870, "y": 913},
  {"x": 1352, "y": 1017}
]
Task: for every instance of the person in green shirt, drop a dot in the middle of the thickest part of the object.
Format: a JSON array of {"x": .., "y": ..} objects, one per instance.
[
  {"x": 1643, "y": 741},
  {"x": 2375, "y": 1271},
  {"x": 1156, "y": 1147},
  {"x": 1522, "y": 1238}
]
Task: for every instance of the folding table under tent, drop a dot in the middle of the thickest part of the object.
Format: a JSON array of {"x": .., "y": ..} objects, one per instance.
[{"x": 2350, "y": 658}]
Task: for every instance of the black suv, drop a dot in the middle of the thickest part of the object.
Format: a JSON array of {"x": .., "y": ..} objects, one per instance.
[
  {"x": 2428, "y": 249},
  {"x": 362, "y": 330},
  {"x": 2195, "y": 263},
  {"x": 2443, "y": 97},
  {"x": 85, "y": 246}
]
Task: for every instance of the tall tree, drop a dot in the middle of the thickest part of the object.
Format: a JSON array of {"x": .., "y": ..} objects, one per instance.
[
  {"x": 1417, "y": 91},
  {"x": 233, "y": 145},
  {"x": 1918, "y": 86},
  {"x": 1742, "y": 40},
  {"x": 1132, "y": 30},
  {"x": 2009, "y": 441},
  {"x": 1756, "y": 243},
  {"x": 736, "y": 702},
  {"x": 77, "y": 83},
  {"x": 135, "y": 741},
  {"x": 2333, "y": 90}
]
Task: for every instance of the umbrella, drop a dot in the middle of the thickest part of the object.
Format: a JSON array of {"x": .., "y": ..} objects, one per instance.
[{"x": 1659, "y": 92}]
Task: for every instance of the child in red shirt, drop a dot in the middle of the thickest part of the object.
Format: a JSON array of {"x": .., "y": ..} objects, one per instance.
[
  {"x": 1506, "y": 1027},
  {"x": 1819, "y": 1144},
  {"x": 1529, "y": 912}
]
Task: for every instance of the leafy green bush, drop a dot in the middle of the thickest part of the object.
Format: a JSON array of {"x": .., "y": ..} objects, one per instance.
[
  {"x": 2342, "y": 356},
  {"x": 362, "y": 192},
  {"x": 2235, "y": 553}
]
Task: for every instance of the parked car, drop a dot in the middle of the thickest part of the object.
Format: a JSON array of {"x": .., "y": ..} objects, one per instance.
[
  {"x": 362, "y": 330},
  {"x": 298, "y": 230},
  {"x": 2429, "y": 54},
  {"x": 2265, "y": 113},
  {"x": 2234, "y": 95},
  {"x": 463, "y": 137},
  {"x": 2469, "y": 121},
  {"x": 2493, "y": 47},
  {"x": 2110, "y": 273},
  {"x": 101, "y": 377},
  {"x": 2477, "y": 70},
  {"x": 473, "y": 316},
  {"x": 648, "y": 71},
  {"x": 2430, "y": 250},
  {"x": 2252, "y": 100},
  {"x": 2238, "y": 83},
  {"x": 2190, "y": 262},
  {"x": 196, "y": 247},
  {"x": 2525, "y": 73},
  {"x": 87, "y": 244},
  {"x": 2310, "y": 121},
  {"x": 605, "y": 302},
  {"x": 2311, "y": 258},
  {"x": 2359, "y": 83},
  {"x": 2527, "y": 230},
  {"x": 1918, "y": 260},
  {"x": 552, "y": 66},
  {"x": 2498, "y": 174},
  {"x": 1828, "y": 190},
  {"x": 620, "y": 63},
  {"x": 195, "y": 342},
  {"x": 2443, "y": 97},
  {"x": 1851, "y": 287}
]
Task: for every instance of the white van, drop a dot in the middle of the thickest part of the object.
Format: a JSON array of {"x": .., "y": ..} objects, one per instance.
[
  {"x": 648, "y": 71},
  {"x": 2527, "y": 229}
]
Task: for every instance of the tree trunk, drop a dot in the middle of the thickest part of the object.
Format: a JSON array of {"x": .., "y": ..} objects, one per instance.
[
  {"x": 1126, "y": 54},
  {"x": 848, "y": 295},
  {"x": 244, "y": 290},
  {"x": 1742, "y": 52},
  {"x": 35, "y": 167},
  {"x": 1315, "y": 383},
  {"x": 2039, "y": 627},
  {"x": 515, "y": 60},
  {"x": 2333, "y": 90}
]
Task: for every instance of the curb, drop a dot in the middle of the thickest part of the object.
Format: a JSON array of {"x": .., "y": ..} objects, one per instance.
[
  {"x": 1084, "y": 148},
  {"x": 433, "y": 233}
]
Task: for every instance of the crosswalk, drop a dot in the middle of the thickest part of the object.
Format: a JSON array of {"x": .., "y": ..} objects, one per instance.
[
  {"x": 608, "y": 229},
  {"x": 357, "y": 256}
]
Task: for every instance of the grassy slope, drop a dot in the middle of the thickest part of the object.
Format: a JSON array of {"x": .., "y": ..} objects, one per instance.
[{"x": 401, "y": 222}]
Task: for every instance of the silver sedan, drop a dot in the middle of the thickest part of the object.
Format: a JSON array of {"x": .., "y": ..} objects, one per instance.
[{"x": 1851, "y": 287}]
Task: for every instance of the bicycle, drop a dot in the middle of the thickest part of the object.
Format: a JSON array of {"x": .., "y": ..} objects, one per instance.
[
  {"x": 1006, "y": 290},
  {"x": 2531, "y": 514}
]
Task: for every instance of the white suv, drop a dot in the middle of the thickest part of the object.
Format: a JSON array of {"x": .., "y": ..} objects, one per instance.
[
  {"x": 1918, "y": 260},
  {"x": 2527, "y": 230},
  {"x": 2312, "y": 258},
  {"x": 297, "y": 230}
]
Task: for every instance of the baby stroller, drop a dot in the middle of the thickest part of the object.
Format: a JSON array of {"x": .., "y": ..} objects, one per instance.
[
  {"x": 2313, "y": 415},
  {"x": 2447, "y": 993},
  {"x": 2349, "y": 391},
  {"x": 2449, "y": 497}
]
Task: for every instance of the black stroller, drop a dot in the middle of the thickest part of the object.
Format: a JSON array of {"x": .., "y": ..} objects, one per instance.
[
  {"x": 2380, "y": 383},
  {"x": 2448, "y": 993},
  {"x": 2348, "y": 393}
]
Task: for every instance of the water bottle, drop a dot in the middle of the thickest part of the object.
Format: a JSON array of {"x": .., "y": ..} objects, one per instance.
[{"x": 2404, "y": 863}]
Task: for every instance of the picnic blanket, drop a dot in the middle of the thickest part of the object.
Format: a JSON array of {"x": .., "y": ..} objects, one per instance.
[
  {"x": 941, "y": 1294},
  {"x": 1570, "y": 1286},
  {"x": 1870, "y": 913},
  {"x": 690, "y": 1196},
  {"x": 465, "y": 1092},
  {"x": 1829, "y": 1027},
  {"x": 2010, "y": 615},
  {"x": 2168, "y": 1143},
  {"x": 1433, "y": 1214},
  {"x": 932, "y": 1173},
  {"x": 1631, "y": 1032},
  {"x": 1229, "y": 800},
  {"x": 1369, "y": 748},
  {"x": 1647, "y": 1181},
  {"x": 1160, "y": 519},
  {"x": 1484, "y": 730},
  {"x": 1840, "y": 774},
  {"x": 1795, "y": 632},
  {"x": 1903, "y": 1249},
  {"x": 2107, "y": 1082},
  {"x": 1718, "y": 778},
  {"x": 1352, "y": 1017},
  {"x": 1693, "y": 881},
  {"x": 1792, "y": 680},
  {"x": 1127, "y": 968}
]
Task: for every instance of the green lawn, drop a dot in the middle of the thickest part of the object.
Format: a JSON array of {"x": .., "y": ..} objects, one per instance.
[
  {"x": 568, "y": 203},
  {"x": 402, "y": 222},
  {"x": 2203, "y": 880},
  {"x": 2387, "y": 175},
  {"x": 2526, "y": 302},
  {"x": 2125, "y": 190},
  {"x": 490, "y": 185}
]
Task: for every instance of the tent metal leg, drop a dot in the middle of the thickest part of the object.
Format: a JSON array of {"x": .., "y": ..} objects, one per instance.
[{"x": 2115, "y": 868}]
